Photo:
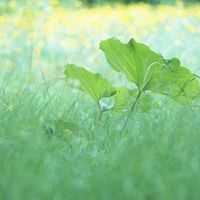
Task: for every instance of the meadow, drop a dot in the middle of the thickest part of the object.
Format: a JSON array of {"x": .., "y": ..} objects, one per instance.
[{"x": 48, "y": 148}]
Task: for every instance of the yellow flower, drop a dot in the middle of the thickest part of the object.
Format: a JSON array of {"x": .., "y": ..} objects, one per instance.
[
  {"x": 2, "y": 34},
  {"x": 10, "y": 107},
  {"x": 53, "y": 2},
  {"x": 40, "y": 44},
  {"x": 78, "y": 4},
  {"x": 2, "y": 20},
  {"x": 191, "y": 28},
  {"x": 12, "y": 5},
  {"x": 15, "y": 34},
  {"x": 37, "y": 52}
]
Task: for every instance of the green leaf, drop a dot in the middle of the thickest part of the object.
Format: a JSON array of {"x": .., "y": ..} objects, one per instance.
[
  {"x": 133, "y": 59},
  {"x": 147, "y": 103},
  {"x": 90, "y": 83},
  {"x": 173, "y": 80},
  {"x": 124, "y": 98}
]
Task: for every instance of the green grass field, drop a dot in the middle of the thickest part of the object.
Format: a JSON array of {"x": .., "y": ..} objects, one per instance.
[{"x": 157, "y": 157}]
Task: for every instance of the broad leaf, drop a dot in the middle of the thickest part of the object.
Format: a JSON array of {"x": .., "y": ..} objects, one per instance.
[
  {"x": 90, "y": 83},
  {"x": 133, "y": 59}
]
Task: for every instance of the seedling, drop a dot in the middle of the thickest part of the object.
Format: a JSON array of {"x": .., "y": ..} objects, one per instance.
[
  {"x": 93, "y": 84},
  {"x": 147, "y": 70}
]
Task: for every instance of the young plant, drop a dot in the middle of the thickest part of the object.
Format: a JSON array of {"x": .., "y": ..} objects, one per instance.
[
  {"x": 93, "y": 84},
  {"x": 147, "y": 70},
  {"x": 150, "y": 71}
]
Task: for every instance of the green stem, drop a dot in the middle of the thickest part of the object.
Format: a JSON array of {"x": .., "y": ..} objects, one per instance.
[
  {"x": 99, "y": 123},
  {"x": 131, "y": 110},
  {"x": 100, "y": 119}
]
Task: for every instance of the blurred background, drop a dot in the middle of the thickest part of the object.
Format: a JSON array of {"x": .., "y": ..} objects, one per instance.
[
  {"x": 160, "y": 156},
  {"x": 47, "y": 34},
  {"x": 11, "y": 4}
]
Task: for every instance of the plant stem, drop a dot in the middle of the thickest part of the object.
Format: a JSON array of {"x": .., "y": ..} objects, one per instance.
[
  {"x": 99, "y": 123},
  {"x": 131, "y": 110},
  {"x": 100, "y": 119}
]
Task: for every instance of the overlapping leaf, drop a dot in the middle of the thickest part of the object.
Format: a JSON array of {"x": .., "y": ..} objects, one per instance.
[
  {"x": 90, "y": 83},
  {"x": 173, "y": 80},
  {"x": 149, "y": 71}
]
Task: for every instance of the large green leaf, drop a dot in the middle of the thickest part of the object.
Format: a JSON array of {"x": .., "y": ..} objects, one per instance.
[
  {"x": 90, "y": 83},
  {"x": 150, "y": 71},
  {"x": 133, "y": 59}
]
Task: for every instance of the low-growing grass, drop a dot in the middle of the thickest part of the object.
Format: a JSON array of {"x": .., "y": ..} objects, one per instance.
[{"x": 157, "y": 157}]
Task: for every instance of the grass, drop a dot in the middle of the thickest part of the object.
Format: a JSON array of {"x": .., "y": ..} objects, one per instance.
[{"x": 158, "y": 155}]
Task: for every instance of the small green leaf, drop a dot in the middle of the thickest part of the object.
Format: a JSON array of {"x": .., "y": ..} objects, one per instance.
[
  {"x": 90, "y": 83},
  {"x": 124, "y": 98}
]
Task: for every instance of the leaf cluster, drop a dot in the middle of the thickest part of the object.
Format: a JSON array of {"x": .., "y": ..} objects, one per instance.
[{"x": 146, "y": 69}]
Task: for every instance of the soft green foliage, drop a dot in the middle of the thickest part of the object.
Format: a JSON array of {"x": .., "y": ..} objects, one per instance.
[
  {"x": 173, "y": 80},
  {"x": 150, "y": 71},
  {"x": 47, "y": 145},
  {"x": 92, "y": 84},
  {"x": 123, "y": 99},
  {"x": 132, "y": 59},
  {"x": 60, "y": 128},
  {"x": 99, "y": 89}
]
